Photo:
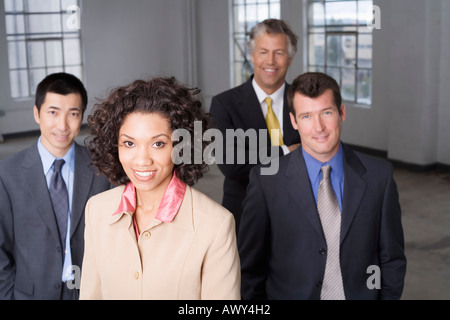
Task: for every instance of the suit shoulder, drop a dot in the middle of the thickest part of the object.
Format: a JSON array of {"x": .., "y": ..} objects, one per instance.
[
  {"x": 13, "y": 161},
  {"x": 372, "y": 165},
  {"x": 373, "y": 161},
  {"x": 278, "y": 165},
  {"x": 230, "y": 93},
  {"x": 208, "y": 207}
]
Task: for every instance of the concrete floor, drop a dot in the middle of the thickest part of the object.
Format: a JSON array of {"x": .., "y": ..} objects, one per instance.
[{"x": 425, "y": 202}]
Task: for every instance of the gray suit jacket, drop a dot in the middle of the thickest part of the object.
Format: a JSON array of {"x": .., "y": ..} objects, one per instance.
[
  {"x": 282, "y": 245},
  {"x": 31, "y": 257}
]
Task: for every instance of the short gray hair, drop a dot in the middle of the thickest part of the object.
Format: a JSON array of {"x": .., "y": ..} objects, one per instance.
[{"x": 273, "y": 26}]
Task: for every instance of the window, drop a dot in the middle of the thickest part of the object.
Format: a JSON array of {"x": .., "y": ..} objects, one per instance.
[
  {"x": 246, "y": 14},
  {"x": 340, "y": 44},
  {"x": 40, "y": 42}
]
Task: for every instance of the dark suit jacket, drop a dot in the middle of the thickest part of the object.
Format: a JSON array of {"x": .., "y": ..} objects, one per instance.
[
  {"x": 238, "y": 108},
  {"x": 282, "y": 246},
  {"x": 31, "y": 257}
]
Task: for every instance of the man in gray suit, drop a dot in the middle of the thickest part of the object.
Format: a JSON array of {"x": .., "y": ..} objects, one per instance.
[{"x": 40, "y": 257}]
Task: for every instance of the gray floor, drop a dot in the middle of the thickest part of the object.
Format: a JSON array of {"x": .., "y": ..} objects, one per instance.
[{"x": 425, "y": 201}]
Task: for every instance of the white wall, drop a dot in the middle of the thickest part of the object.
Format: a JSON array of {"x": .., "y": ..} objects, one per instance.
[
  {"x": 409, "y": 117},
  {"x": 137, "y": 39},
  {"x": 443, "y": 141}
]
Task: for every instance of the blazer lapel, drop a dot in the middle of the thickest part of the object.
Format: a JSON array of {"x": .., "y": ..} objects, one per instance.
[
  {"x": 38, "y": 190},
  {"x": 249, "y": 108},
  {"x": 299, "y": 189},
  {"x": 354, "y": 189},
  {"x": 84, "y": 176},
  {"x": 288, "y": 131}
]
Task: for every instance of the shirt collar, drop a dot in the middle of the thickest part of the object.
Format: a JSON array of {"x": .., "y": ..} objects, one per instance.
[
  {"x": 337, "y": 165},
  {"x": 47, "y": 158},
  {"x": 262, "y": 95},
  {"x": 170, "y": 203}
]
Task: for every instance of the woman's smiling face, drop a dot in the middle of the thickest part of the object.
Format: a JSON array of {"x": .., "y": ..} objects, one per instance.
[{"x": 145, "y": 150}]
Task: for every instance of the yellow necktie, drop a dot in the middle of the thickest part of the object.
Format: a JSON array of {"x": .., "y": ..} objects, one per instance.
[{"x": 273, "y": 124}]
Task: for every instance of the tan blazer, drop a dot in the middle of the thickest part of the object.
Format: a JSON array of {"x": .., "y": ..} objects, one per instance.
[{"x": 193, "y": 257}]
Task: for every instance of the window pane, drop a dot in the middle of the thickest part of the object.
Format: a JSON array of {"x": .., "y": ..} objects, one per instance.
[
  {"x": 365, "y": 50},
  {"x": 365, "y": 14},
  {"x": 67, "y": 3},
  {"x": 335, "y": 73},
  {"x": 17, "y": 54},
  {"x": 333, "y": 50},
  {"x": 317, "y": 49},
  {"x": 349, "y": 50},
  {"x": 316, "y": 14},
  {"x": 44, "y": 23},
  {"x": 19, "y": 83},
  {"x": 263, "y": 13},
  {"x": 54, "y": 53},
  {"x": 72, "y": 51},
  {"x": 275, "y": 10},
  {"x": 13, "y": 5},
  {"x": 36, "y": 56},
  {"x": 42, "y": 5},
  {"x": 76, "y": 71},
  {"x": 15, "y": 24},
  {"x": 341, "y": 12},
  {"x": 36, "y": 76},
  {"x": 348, "y": 84},
  {"x": 364, "y": 86}
]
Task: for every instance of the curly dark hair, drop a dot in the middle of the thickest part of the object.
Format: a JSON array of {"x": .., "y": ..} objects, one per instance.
[{"x": 165, "y": 96}]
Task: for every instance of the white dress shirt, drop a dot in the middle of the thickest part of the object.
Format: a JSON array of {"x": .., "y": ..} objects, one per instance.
[{"x": 277, "y": 105}]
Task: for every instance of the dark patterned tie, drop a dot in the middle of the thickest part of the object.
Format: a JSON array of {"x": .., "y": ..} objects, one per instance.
[
  {"x": 330, "y": 217},
  {"x": 60, "y": 199}
]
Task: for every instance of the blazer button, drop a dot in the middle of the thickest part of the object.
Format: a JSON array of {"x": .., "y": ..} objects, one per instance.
[
  {"x": 136, "y": 275},
  {"x": 147, "y": 235},
  {"x": 318, "y": 284},
  {"x": 322, "y": 251}
]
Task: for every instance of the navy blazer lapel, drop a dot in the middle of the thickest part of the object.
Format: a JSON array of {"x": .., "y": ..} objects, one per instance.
[
  {"x": 299, "y": 189},
  {"x": 354, "y": 189},
  {"x": 84, "y": 176},
  {"x": 38, "y": 190}
]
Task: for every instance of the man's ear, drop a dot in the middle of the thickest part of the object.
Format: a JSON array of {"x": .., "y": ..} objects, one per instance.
[
  {"x": 293, "y": 120},
  {"x": 343, "y": 113},
  {"x": 36, "y": 115}
]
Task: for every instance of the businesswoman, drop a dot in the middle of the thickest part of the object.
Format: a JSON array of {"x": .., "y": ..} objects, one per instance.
[{"x": 154, "y": 236}]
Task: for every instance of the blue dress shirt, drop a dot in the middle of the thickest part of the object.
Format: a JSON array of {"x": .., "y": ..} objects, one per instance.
[
  {"x": 336, "y": 174},
  {"x": 67, "y": 173}
]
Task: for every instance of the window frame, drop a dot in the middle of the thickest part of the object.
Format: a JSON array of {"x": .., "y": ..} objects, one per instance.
[
  {"x": 243, "y": 59},
  {"x": 327, "y": 30},
  {"x": 28, "y": 37}
]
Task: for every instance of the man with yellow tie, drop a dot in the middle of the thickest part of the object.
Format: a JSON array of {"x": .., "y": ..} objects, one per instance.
[{"x": 258, "y": 105}]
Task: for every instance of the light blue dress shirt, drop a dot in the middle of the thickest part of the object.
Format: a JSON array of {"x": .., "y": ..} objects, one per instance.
[
  {"x": 336, "y": 174},
  {"x": 67, "y": 172}
]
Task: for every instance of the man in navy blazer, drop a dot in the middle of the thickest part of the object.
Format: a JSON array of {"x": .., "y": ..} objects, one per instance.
[
  {"x": 281, "y": 242},
  {"x": 272, "y": 47},
  {"x": 34, "y": 263}
]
